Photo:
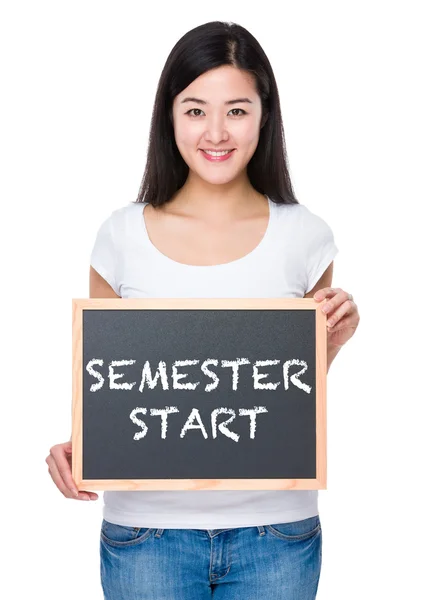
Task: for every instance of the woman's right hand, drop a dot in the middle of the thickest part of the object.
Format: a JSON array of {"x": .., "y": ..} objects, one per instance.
[{"x": 59, "y": 466}]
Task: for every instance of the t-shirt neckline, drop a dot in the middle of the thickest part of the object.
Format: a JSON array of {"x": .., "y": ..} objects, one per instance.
[{"x": 252, "y": 254}]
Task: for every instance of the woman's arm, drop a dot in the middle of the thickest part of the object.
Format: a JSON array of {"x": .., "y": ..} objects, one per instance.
[{"x": 98, "y": 287}]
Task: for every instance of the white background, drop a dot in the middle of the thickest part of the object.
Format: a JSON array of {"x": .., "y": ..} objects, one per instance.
[{"x": 354, "y": 78}]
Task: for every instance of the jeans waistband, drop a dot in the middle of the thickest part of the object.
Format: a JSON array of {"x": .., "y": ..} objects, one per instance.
[{"x": 213, "y": 532}]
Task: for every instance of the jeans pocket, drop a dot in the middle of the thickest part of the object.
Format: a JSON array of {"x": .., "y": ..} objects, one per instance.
[
  {"x": 123, "y": 535},
  {"x": 295, "y": 530}
]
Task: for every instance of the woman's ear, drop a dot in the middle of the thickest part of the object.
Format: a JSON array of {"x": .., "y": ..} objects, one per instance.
[{"x": 264, "y": 119}]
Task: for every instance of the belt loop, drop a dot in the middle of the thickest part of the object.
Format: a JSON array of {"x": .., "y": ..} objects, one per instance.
[
  {"x": 159, "y": 532},
  {"x": 261, "y": 529}
]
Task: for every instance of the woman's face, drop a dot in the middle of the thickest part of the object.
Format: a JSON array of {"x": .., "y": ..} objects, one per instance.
[{"x": 212, "y": 121}]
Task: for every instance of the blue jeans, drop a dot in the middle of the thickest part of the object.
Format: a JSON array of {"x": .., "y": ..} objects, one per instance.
[{"x": 280, "y": 561}]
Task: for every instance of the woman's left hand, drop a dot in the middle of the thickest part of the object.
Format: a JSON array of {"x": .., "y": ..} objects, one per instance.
[{"x": 342, "y": 313}]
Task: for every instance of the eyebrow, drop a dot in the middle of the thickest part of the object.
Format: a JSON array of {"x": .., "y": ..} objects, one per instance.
[{"x": 199, "y": 101}]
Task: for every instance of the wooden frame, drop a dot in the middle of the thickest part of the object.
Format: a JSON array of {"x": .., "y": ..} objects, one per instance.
[{"x": 78, "y": 305}]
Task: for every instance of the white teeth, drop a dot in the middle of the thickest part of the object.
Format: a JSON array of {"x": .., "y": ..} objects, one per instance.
[{"x": 217, "y": 153}]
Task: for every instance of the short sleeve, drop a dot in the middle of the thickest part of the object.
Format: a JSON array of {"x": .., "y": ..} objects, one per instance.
[
  {"x": 103, "y": 255},
  {"x": 320, "y": 248}
]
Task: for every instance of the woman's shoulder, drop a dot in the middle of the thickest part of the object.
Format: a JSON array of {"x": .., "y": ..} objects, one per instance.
[
  {"x": 123, "y": 214},
  {"x": 295, "y": 208},
  {"x": 121, "y": 221},
  {"x": 292, "y": 212},
  {"x": 303, "y": 220},
  {"x": 309, "y": 217},
  {"x": 128, "y": 209}
]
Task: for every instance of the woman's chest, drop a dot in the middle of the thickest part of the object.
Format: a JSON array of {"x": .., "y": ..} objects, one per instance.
[
  {"x": 191, "y": 242},
  {"x": 271, "y": 273}
]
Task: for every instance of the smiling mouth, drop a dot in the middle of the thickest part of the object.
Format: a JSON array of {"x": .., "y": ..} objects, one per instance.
[{"x": 217, "y": 152}]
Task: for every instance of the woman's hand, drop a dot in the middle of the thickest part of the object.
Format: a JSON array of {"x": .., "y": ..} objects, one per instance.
[
  {"x": 59, "y": 466},
  {"x": 342, "y": 312}
]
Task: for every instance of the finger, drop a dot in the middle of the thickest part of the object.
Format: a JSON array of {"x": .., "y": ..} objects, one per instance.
[
  {"x": 59, "y": 455},
  {"x": 338, "y": 315},
  {"x": 91, "y": 495},
  {"x": 324, "y": 293},
  {"x": 85, "y": 495},
  {"x": 57, "y": 478},
  {"x": 341, "y": 298},
  {"x": 82, "y": 495},
  {"x": 343, "y": 324}
]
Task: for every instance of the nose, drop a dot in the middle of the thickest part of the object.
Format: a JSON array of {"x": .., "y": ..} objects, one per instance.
[{"x": 216, "y": 132}]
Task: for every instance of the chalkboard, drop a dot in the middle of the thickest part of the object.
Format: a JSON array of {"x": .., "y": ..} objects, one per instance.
[{"x": 189, "y": 394}]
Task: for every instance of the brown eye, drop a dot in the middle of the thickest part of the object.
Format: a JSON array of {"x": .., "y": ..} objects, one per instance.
[
  {"x": 192, "y": 109},
  {"x": 241, "y": 109}
]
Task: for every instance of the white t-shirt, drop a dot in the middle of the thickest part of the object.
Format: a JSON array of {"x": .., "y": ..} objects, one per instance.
[{"x": 293, "y": 254}]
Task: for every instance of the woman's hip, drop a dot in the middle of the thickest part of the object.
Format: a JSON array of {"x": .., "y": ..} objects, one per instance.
[{"x": 281, "y": 559}]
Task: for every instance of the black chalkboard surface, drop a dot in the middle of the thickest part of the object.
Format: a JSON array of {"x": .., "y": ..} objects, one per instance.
[{"x": 199, "y": 394}]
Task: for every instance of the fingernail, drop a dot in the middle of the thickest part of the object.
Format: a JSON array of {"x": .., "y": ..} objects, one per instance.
[{"x": 75, "y": 492}]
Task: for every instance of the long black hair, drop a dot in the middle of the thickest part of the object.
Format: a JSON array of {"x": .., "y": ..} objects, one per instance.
[{"x": 203, "y": 48}]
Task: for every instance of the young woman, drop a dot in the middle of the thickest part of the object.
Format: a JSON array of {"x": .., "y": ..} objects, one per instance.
[{"x": 216, "y": 216}]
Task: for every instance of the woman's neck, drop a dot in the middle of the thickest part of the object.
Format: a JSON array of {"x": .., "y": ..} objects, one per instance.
[{"x": 220, "y": 201}]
